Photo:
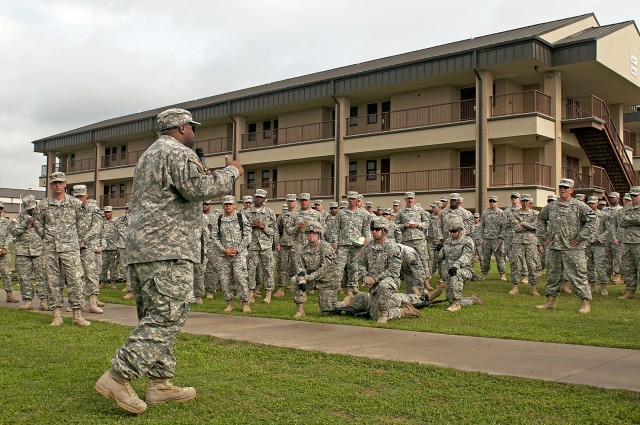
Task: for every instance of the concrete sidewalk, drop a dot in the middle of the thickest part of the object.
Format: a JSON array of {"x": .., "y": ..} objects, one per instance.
[{"x": 575, "y": 364}]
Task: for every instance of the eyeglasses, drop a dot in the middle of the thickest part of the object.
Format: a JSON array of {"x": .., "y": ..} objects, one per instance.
[
  {"x": 563, "y": 187},
  {"x": 206, "y": 203},
  {"x": 514, "y": 197},
  {"x": 375, "y": 229},
  {"x": 454, "y": 231},
  {"x": 492, "y": 201},
  {"x": 634, "y": 195}
]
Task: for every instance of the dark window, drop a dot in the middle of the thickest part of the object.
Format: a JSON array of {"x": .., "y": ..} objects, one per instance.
[
  {"x": 123, "y": 190},
  {"x": 372, "y": 113},
  {"x": 371, "y": 169},
  {"x": 386, "y": 115},
  {"x": 105, "y": 190},
  {"x": 266, "y": 130},
  {"x": 252, "y": 132},
  {"x": 275, "y": 132},
  {"x": 353, "y": 171},
  {"x": 265, "y": 176},
  {"x": 123, "y": 151},
  {"x": 353, "y": 116},
  {"x": 251, "y": 179}
]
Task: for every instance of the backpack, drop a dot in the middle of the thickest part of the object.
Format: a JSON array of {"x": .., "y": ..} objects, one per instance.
[{"x": 238, "y": 215}]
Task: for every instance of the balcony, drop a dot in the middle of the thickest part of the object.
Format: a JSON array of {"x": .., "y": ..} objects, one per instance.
[
  {"x": 526, "y": 102},
  {"x": 282, "y": 136},
  {"x": 120, "y": 159},
  {"x": 279, "y": 189},
  {"x": 75, "y": 166},
  {"x": 520, "y": 174},
  {"x": 588, "y": 177},
  {"x": 446, "y": 113},
  {"x": 213, "y": 146},
  {"x": 442, "y": 179},
  {"x": 115, "y": 200}
]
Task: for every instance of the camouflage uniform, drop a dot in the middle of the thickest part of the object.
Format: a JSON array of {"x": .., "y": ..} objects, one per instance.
[
  {"x": 457, "y": 254},
  {"x": 524, "y": 245},
  {"x": 260, "y": 248},
  {"x": 285, "y": 242},
  {"x": 507, "y": 237},
  {"x": 211, "y": 276},
  {"x": 232, "y": 269},
  {"x": 315, "y": 266},
  {"x": 169, "y": 186},
  {"x": 91, "y": 249},
  {"x": 5, "y": 260},
  {"x": 61, "y": 226},
  {"x": 629, "y": 220},
  {"x": 198, "y": 269},
  {"x": 109, "y": 262},
  {"x": 362, "y": 302},
  {"x": 292, "y": 229},
  {"x": 350, "y": 226},
  {"x": 412, "y": 270},
  {"x": 383, "y": 263},
  {"x": 415, "y": 237},
  {"x": 121, "y": 223},
  {"x": 448, "y": 214},
  {"x": 28, "y": 251},
  {"x": 595, "y": 251},
  {"x": 558, "y": 223},
  {"x": 613, "y": 252},
  {"x": 490, "y": 231},
  {"x": 331, "y": 234}
]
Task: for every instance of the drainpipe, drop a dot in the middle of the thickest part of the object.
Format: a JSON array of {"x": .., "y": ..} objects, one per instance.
[
  {"x": 233, "y": 139},
  {"x": 479, "y": 165},
  {"x": 336, "y": 167}
]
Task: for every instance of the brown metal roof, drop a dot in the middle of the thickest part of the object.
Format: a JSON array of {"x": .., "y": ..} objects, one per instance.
[{"x": 593, "y": 33}]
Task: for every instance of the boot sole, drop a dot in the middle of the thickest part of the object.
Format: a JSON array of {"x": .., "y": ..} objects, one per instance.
[
  {"x": 107, "y": 394},
  {"x": 181, "y": 400}
]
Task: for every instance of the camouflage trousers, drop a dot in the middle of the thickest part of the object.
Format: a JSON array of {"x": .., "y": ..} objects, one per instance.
[
  {"x": 124, "y": 269},
  {"x": 413, "y": 274},
  {"x": 327, "y": 293},
  {"x": 380, "y": 301},
  {"x": 29, "y": 268},
  {"x": 630, "y": 265},
  {"x": 613, "y": 258},
  {"x": 260, "y": 264},
  {"x": 90, "y": 271},
  {"x": 362, "y": 301},
  {"x": 510, "y": 255},
  {"x": 58, "y": 268},
  {"x": 572, "y": 264},
  {"x": 347, "y": 264},
  {"x": 234, "y": 270},
  {"x": 526, "y": 257},
  {"x": 492, "y": 247},
  {"x": 422, "y": 247},
  {"x": 436, "y": 262},
  {"x": 198, "y": 278},
  {"x": 211, "y": 277},
  {"x": 110, "y": 264},
  {"x": 163, "y": 291},
  {"x": 455, "y": 284},
  {"x": 595, "y": 264},
  {"x": 5, "y": 272},
  {"x": 285, "y": 265}
]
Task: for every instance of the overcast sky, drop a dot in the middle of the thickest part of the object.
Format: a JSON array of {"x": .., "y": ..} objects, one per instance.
[{"x": 66, "y": 64}]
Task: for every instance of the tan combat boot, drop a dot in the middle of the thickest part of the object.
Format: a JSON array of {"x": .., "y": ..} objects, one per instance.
[
  {"x": 93, "y": 305},
  {"x": 267, "y": 297},
  {"x": 299, "y": 311},
  {"x": 198, "y": 300},
  {"x": 383, "y": 318},
  {"x": 28, "y": 305},
  {"x": 113, "y": 285},
  {"x": 99, "y": 303},
  {"x": 534, "y": 290},
  {"x": 279, "y": 293},
  {"x": 44, "y": 306},
  {"x": 416, "y": 291},
  {"x": 11, "y": 297},
  {"x": 256, "y": 293},
  {"x": 628, "y": 295},
  {"x": 252, "y": 300},
  {"x": 129, "y": 295},
  {"x": 549, "y": 305},
  {"x": 427, "y": 286},
  {"x": 434, "y": 294},
  {"x": 503, "y": 277},
  {"x": 455, "y": 306},
  {"x": 408, "y": 310},
  {"x": 78, "y": 320},
  {"x": 514, "y": 290},
  {"x": 603, "y": 289},
  {"x": 566, "y": 288},
  {"x": 162, "y": 390},
  {"x": 525, "y": 280},
  {"x": 245, "y": 307},
  {"x": 348, "y": 292},
  {"x": 57, "y": 317},
  {"x": 586, "y": 307},
  {"x": 475, "y": 300},
  {"x": 229, "y": 307},
  {"x": 209, "y": 295},
  {"x": 118, "y": 389}
]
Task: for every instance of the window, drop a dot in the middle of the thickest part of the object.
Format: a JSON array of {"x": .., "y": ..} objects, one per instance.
[
  {"x": 265, "y": 178},
  {"x": 275, "y": 132},
  {"x": 266, "y": 130},
  {"x": 371, "y": 169},
  {"x": 123, "y": 190},
  {"x": 123, "y": 151},
  {"x": 353, "y": 171},
  {"x": 106, "y": 190},
  {"x": 372, "y": 113},
  {"x": 251, "y": 179},
  {"x": 386, "y": 115},
  {"x": 353, "y": 116},
  {"x": 252, "y": 132}
]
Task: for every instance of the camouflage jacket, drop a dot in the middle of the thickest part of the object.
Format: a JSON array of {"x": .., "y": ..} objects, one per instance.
[
  {"x": 611, "y": 222},
  {"x": 27, "y": 242},
  {"x": 60, "y": 223},
  {"x": 281, "y": 237},
  {"x": 5, "y": 234},
  {"x": 292, "y": 228},
  {"x": 458, "y": 253},
  {"x": 351, "y": 225},
  {"x": 381, "y": 261},
  {"x": 230, "y": 235},
  {"x": 93, "y": 238},
  {"x": 317, "y": 263},
  {"x": 602, "y": 234},
  {"x": 262, "y": 238},
  {"x": 524, "y": 226},
  {"x": 507, "y": 227},
  {"x": 491, "y": 223},
  {"x": 448, "y": 213},
  {"x": 561, "y": 222},
  {"x": 629, "y": 220},
  {"x": 413, "y": 215},
  {"x": 330, "y": 234},
  {"x": 121, "y": 224},
  {"x": 111, "y": 235},
  {"x": 169, "y": 186}
]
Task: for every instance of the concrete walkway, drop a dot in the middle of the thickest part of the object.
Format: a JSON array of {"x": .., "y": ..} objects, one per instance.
[{"x": 575, "y": 364}]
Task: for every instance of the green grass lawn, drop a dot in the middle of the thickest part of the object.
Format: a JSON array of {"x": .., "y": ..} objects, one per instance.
[{"x": 48, "y": 376}]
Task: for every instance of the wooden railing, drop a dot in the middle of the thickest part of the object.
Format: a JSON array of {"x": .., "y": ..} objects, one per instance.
[
  {"x": 75, "y": 165},
  {"x": 120, "y": 159},
  {"x": 116, "y": 200},
  {"x": 588, "y": 177},
  {"x": 520, "y": 174},
  {"x": 446, "y": 113},
  {"x": 279, "y": 189},
  {"x": 217, "y": 145},
  {"x": 448, "y": 178},
  {"x": 520, "y": 103},
  {"x": 286, "y": 135}
]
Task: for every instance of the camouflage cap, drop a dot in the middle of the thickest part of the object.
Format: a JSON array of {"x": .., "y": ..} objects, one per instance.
[
  {"x": 334, "y": 205},
  {"x": 368, "y": 204},
  {"x": 602, "y": 202},
  {"x": 476, "y": 215},
  {"x": 627, "y": 197},
  {"x": 174, "y": 117},
  {"x": 455, "y": 223},
  {"x": 613, "y": 195},
  {"x": 304, "y": 195},
  {"x": 79, "y": 190},
  {"x": 409, "y": 195},
  {"x": 396, "y": 202},
  {"x": 635, "y": 190},
  {"x": 108, "y": 208},
  {"x": 315, "y": 227},
  {"x": 454, "y": 196},
  {"x": 352, "y": 195},
  {"x": 360, "y": 301},
  {"x": 261, "y": 193},
  {"x": 566, "y": 182},
  {"x": 493, "y": 198},
  {"x": 444, "y": 199},
  {"x": 436, "y": 204},
  {"x": 317, "y": 202},
  {"x": 29, "y": 202},
  {"x": 92, "y": 205},
  {"x": 126, "y": 206},
  {"x": 228, "y": 199},
  {"x": 527, "y": 197},
  {"x": 285, "y": 208},
  {"x": 58, "y": 176},
  {"x": 247, "y": 199},
  {"x": 344, "y": 204},
  {"x": 551, "y": 198},
  {"x": 387, "y": 211},
  {"x": 592, "y": 200},
  {"x": 292, "y": 197},
  {"x": 460, "y": 199},
  {"x": 515, "y": 195},
  {"x": 580, "y": 196},
  {"x": 379, "y": 223}
]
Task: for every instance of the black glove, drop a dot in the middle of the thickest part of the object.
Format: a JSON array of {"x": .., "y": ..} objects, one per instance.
[
  {"x": 439, "y": 246},
  {"x": 302, "y": 287},
  {"x": 453, "y": 271},
  {"x": 302, "y": 274}
]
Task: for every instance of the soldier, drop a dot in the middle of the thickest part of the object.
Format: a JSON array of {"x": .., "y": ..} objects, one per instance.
[
  {"x": 59, "y": 221},
  {"x": 110, "y": 252},
  {"x": 475, "y": 235},
  {"x": 320, "y": 208},
  {"x": 204, "y": 232},
  {"x": 284, "y": 242},
  {"x": 595, "y": 250},
  {"x": 490, "y": 232},
  {"x": 297, "y": 223},
  {"x": 121, "y": 223},
  {"x": 413, "y": 222},
  {"x": 352, "y": 232},
  {"x": 98, "y": 244},
  {"x": 28, "y": 251},
  {"x": 454, "y": 210},
  {"x": 247, "y": 202},
  {"x": 564, "y": 227},
  {"x": 524, "y": 245},
  {"x": 5, "y": 257},
  {"x": 314, "y": 269},
  {"x": 211, "y": 277},
  {"x": 445, "y": 202},
  {"x": 613, "y": 251},
  {"x": 434, "y": 231},
  {"x": 629, "y": 219},
  {"x": 263, "y": 225},
  {"x": 231, "y": 237},
  {"x": 396, "y": 206},
  {"x": 394, "y": 231},
  {"x": 368, "y": 206},
  {"x": 330, "y": 234},
  {"x": 380, "y": 266},
  {"x": 507, "y": 233}
]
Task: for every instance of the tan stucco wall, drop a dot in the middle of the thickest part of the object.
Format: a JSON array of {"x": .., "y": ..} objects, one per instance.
[
  {"x": 308, "y": 116},
  {"x": 425, "y": 159},
  {"x": 306, "y": 151},
  {"x": 615, "y": 50},
  {"x": 213, "y": 132},
  {"x": 425, "y": 97},
  {"x": 559, "y": 34},
  {"x": 521, "y": 126}
]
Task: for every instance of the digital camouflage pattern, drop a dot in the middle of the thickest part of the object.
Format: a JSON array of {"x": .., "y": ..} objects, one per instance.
[
  {"x": 260, "y": 247},
  {"x": 382, "y": 262},
  {"x": 232, "y": 269},
  {"x": 595, "y": 251},
  {"x": 318, "y": 266},
  {"x": 458, "y": 254},
  {"x": 350, "y": 225},
  {"x": 629, "y": 220},
  {"x": 490, "y": 231},
  {"x": 28, "y": 256},
  {"x": 92, "y": 244},
  {"x": 412, "y": 270},
  {"x": 524, "y": 245}
]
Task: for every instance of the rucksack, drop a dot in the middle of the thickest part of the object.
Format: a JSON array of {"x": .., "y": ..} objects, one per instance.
[{"x": 238, "y": 215}]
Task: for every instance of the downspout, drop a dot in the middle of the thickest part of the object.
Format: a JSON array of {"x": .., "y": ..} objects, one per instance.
[
  {"x": 233, "y": 143},
  {"x": 479, "y": 166},
  {"x": 336, "y": 167}
]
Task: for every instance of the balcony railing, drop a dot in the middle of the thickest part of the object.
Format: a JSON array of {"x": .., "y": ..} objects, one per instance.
[
  {"x": 75, "y": 165},
  {"x": 212, "y": 146},
  {"x": 115, "y": 200},
  {"x": 279, "y": 189},
  {"x": 588, "y": 177},
  {"x": 449, "y": 178},
  {"x": 286, "y": 135},
  {"x": 626, "y": 139},
  {"x": 520, "y": 174},
  {"x": 43, "y": 171},
  {"x": 520, "y": 103},
  {"x": 446, "y": 113},
  {"x": 120, "y": 159}
]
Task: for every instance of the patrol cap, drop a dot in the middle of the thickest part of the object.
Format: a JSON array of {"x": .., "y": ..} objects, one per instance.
[
  {"x": 352, "y": 195},
  {"x": 317, "y": 202},
  {"x": 126, "y": 206},
  {"x": 291, "y": 197},
  {"x": 246, "y": 199},
  {"x": 285, "y": 208},
  {"x": 409, "y": 195},
  {"x": 580, "y": 196},
  {"x": 333, "y": 205},
  {"x": 261, "y": 193},
  {"x": 79, "y": 190},
  {"x": 108, "y": 208},
  {"x": 387, "y": 211},
  {"x": 444, "y": 199},
  {"x": 436, "y": 204},
  {"x": 566, "y": 182},
  {"x": 304, "y": 196},
  {"x": 455, "y": 223},
  {"x": 515, "y": 195},
  {"x": 380, "y": 223},
  {"x": 454, "y": 197},
  {"x": 527, "y": 197},
  {"x": 360, "y": 197},
  {"x": 592, "y": 200},
  {"x": 396, "y": 202},
  {"x": 228, "y": 199},
  {"x": 551, "y": 198},
  {"x": 460, "y": 199},
  {"x": 627, "y": 197},
  {"x": 29, "y": 202},
  {"x": 314, "y": 227},
  {"x": 58, "y": 176},
  {"x": 493, "y": 198},
  {"x": 344, "y": 204},
  {"x": 476, "y": 215},
  {"x": 174, "y": 117},
  {"x": 602, "y": 202},
  {"x": 613, "y": 195},
  {"x": 368, "y": 204},
  {"x": 635, "y": 190},
  {"x": 217, "y": 211}
]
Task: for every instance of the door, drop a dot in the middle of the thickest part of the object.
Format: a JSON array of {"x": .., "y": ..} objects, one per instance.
[
  {"x": 467, "y": 103},
  {"x": 467, "y": 169},
  {"x": 385, "y": 169}
]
